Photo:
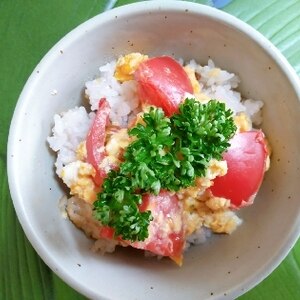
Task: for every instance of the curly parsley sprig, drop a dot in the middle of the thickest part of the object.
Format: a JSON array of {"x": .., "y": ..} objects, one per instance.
[{"x": 168, "y": 153}]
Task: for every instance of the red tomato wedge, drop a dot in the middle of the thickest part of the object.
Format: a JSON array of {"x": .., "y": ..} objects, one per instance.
[
  {"x": 162, "y": 82},
  {"x": 95, "y": 140},
  {"x": 246, "y": 160},
  {"x": 166, "y": 233}
]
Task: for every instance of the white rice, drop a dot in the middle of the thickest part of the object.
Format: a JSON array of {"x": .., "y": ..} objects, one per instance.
[
  {"x": 220, "y": 84},
  {"x": 70, "y": 129},
  {"x": 200, "y": 236},
  {"x": 121, "y": 97}
]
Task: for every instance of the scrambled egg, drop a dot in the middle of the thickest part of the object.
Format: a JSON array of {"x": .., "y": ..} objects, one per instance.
[
  {"x": 201, "y": 208},
  {"x": 81, "y": 151},
  {"x": 211, "y": 212},
  {"x": 167, "y": 225},
  {"x": 78, "y": 176},
  {"x": 192, "y": 76},
  {"x": 242, "y": 122},
  {"x": 116, "y": 143},
  {"x": 216, "y": 168},
  {"x": 126, "y": 66},
  {"x": 198, "y": 95}
]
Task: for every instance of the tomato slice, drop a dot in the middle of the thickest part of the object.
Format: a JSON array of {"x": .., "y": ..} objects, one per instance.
[
  {"x": 95, "y": 140},
  {"x": 166, "y": 233},
  {"x": 246, "y": 160},
  {"x": 162, "y": 82}
]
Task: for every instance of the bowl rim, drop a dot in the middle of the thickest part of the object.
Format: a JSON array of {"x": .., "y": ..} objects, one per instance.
[{"x": 77, "y": 33}]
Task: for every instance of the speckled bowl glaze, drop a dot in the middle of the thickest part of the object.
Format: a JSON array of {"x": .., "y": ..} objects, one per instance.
[{"x": 226, "y": 266}]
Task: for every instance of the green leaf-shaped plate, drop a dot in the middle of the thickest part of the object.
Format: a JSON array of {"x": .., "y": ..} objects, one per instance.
[{"x": 28, "y": 29}]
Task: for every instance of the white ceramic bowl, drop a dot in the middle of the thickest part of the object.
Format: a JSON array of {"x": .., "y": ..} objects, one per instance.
[{"x": 226, "y": 265}]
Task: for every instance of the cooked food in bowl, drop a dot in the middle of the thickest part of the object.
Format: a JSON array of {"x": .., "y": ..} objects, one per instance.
[{"x": 164, "y": 156}]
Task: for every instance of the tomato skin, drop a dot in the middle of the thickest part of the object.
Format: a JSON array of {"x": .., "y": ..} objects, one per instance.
[
  {"x": 162, "y": 82},
  {"x": 246, "y": 160},
  {"x": 106, "y": 232},
  {"x": 95, "y": 140}
]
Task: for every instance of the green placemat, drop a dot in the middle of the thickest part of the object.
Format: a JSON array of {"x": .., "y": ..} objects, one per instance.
[{"x": 28, "y": 29}]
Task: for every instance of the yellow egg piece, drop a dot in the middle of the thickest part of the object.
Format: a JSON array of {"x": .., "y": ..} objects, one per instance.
[{"x": 127, "y": 64}]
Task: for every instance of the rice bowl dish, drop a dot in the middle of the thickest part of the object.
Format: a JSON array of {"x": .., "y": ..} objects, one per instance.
[{"x": 200, "y": 208}]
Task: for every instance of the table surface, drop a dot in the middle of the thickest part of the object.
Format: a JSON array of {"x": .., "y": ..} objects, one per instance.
[{"x": 28, "y": 29}]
